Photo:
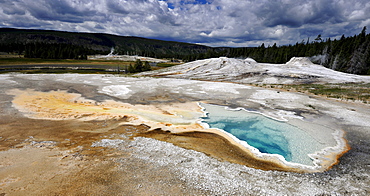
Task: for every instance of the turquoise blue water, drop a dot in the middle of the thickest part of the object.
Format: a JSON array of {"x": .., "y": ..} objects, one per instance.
[
  {"x": 265, "y": 134},
  {"x": 266, "y": 139}
]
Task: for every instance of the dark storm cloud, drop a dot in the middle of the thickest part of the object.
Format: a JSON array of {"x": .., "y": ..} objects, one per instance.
[
  {"x": 116, "y": 8},
  {"x": 12, "y": 10},
  {"x": 211, "y": 22},
  {"x": 298, "y": 13},
  {"x": 59, "y": 11}
]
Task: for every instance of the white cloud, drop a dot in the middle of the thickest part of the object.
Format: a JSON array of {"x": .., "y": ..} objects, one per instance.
[
  {"x": 218, "y": 22},
  {"x": 365, "y": 23}
]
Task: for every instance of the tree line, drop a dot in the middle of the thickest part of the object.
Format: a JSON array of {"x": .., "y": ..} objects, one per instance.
[
  {"x": 14, "y": 41},
  {"x": 347, "y": 54},
  {"x": 55, "y": 51}
]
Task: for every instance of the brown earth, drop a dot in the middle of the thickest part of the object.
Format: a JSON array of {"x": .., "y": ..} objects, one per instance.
[
  {"x": 58, "y": 160},
  {"x": 215, "y": 146}
]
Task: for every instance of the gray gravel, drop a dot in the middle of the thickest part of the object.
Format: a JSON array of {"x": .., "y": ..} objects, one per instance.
[{"x": 223, "y": 178}]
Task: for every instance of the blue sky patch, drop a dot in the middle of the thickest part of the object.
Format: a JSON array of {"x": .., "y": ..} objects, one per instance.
[
  {"x": 171, "y": 5},
  {"x": 186, "y": 2}
]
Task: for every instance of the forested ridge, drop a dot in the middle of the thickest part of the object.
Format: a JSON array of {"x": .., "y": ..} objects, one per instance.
[
  {"x": 348, "y": 54},
  {"x": 39, "y": 44}
]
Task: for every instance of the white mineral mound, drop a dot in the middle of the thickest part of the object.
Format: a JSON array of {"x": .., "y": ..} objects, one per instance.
[
  {"x": 112, "y": 56},
  {"x": 297, "y": 70},
  {"x": 213, "y": 66}
]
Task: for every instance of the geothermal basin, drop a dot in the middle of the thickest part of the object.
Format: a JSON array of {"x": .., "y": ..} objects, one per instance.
[
  {"x": 122, "y": 134},
  {"x": 299, "y": 147}
]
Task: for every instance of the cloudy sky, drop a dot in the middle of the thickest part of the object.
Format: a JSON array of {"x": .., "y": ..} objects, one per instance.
[{"x": 235, "y": 23}]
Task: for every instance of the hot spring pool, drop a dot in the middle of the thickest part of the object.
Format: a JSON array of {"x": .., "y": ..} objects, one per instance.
[{"x": 268, "y": 135}]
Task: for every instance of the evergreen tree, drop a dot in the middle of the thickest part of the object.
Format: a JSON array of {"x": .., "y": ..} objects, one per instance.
[
  {"x": 138, "y": 67},
  {"x": 147, "y": 66},
  {"x": 130, "y": 69}
]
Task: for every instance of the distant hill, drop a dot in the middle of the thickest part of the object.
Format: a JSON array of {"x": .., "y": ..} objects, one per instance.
[
  {"x": 17, "y": 40},
  {"x": 348, "y": 54}
]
